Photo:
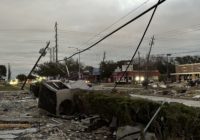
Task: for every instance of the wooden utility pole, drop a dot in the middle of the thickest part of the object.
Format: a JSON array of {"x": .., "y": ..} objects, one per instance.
[
  {"x": 147, "y": 63},
  {"x": 41, "y": 55},
  {"x": 101, "y": 65},
  {"x": 168, "y": 75},
  {"x": 53, "y": 54},
  {"x": 139, "y": 66},
  {"x": 56, "y": 40},
  {"x": 9, "y": 73},
  {"x": 50, "y": 54},
  {"x": 104, "y": 56}
]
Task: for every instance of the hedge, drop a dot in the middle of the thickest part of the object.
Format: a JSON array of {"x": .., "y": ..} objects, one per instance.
[{"x": 173, "y": 122}]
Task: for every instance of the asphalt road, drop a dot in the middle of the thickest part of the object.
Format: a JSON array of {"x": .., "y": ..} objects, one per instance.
[
  {"x": 100, "y": 87},
  {"x": 167, "y": 99}
]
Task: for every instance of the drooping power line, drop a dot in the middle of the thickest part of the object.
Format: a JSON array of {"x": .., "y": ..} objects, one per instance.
[
  {"x": 123, "y": 17},
  {"x": 119, "y": 28},
  {"x": 138, "y": 44}
]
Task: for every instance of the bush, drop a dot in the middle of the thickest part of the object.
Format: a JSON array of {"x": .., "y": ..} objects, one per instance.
[
  {"x": 21, "y": 77},
  {"x": 174, "y": 120}
]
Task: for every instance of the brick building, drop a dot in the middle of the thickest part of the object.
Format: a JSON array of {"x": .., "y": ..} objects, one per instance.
[
  {"x": 134, "y": 75},
  {"x": 187, "y": 72}
]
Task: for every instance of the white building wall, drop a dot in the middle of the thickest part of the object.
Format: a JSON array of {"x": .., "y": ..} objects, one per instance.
[{"x": 130, "y": 68}]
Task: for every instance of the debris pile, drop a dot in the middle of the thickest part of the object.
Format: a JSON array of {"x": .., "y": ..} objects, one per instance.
[{"x": 21, "y": 118}]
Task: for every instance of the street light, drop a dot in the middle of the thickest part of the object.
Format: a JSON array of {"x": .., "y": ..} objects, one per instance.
[{"x": 79, "y": 68}]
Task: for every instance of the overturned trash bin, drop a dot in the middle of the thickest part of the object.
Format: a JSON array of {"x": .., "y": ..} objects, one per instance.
[
  {"x": 35, "y": 89},
  {"x": 56, "y": 98}
]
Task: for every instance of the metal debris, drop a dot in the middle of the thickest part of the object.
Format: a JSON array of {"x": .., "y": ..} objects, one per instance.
[{"x": 21, "y": 118}]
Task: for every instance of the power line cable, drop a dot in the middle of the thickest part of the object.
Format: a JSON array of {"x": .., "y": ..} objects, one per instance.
[
  {"x": 185, "y": 52},
  {"x": 119, "y": 28},
  {"x": 157, "y": 111},
  {"x": 107, "y": 28},
  {"x": 139, "y": 43},
  {"x": 66, "y": 31}
]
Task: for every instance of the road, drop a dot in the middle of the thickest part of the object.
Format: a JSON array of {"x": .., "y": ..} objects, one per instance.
[
  {"x": 167, "y": 99},
  {"x": 100, "y": 87}
]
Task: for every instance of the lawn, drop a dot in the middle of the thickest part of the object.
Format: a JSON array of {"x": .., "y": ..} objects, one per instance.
[{"x": 7, "y": 87}]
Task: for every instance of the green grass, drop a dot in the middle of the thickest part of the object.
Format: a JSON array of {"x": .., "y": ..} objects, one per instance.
[{"x": 7, "y": 87}]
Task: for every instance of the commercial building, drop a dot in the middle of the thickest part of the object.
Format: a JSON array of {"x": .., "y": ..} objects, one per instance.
[
  {"x": 187, "y": 72},
  {"x": 134, "y": 75}
]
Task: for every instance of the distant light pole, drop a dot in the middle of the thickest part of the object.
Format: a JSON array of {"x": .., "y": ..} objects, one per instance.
[
  {"x": 79, "y": 58},
  {"x": 139, "y": 67},
  {"x": 168, "y": 66}
]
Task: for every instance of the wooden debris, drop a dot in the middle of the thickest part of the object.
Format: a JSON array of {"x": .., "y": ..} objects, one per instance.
[{"x": 23, "y": 125}]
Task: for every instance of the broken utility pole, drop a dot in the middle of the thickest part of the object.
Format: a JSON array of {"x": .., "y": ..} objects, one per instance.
[
  {"x": 147, "y": 63},
  {"x": 41, "y": 55},
  {"x": 56, "y": 40}
]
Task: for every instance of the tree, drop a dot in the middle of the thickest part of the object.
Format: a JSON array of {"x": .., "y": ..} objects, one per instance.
[
  {"x": 73, "y": 65},
  {"x": 59, "y": 69},
  {"x": 107, "y": 68},
  {"x": 31, "y": 77},
  {"x": 3, "y": 71},
  {"x": 21, "y": 77},
  {"x": 187, "y": 59},
  {"x": 50, "y": 69},
  {"x": 89, "y": 68}
]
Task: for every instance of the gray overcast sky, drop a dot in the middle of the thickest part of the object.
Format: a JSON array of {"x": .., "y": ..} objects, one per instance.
[{"x": 26, "y": 25}]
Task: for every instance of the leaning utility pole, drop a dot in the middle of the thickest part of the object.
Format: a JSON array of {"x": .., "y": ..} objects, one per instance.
[
  {"x": 42, "y": 54},
  {"x": 56, "y": 40},
  {"x": 147, "y": 63}
]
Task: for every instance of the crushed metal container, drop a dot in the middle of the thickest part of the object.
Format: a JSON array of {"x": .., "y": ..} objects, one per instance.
[{"x": 56, "y": 98}]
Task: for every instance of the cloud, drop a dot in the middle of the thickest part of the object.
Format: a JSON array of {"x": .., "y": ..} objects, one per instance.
[{"x": 26, "y": 25}]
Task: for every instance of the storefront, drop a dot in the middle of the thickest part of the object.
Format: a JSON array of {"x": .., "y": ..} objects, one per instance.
[{"x": 187, "y": 72}]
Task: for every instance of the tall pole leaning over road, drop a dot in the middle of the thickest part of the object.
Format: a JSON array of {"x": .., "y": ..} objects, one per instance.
[
  {"x": 42, "y": 54},
  {"x": 56, "y": 40},
  {"x": 147, "y": 63}
]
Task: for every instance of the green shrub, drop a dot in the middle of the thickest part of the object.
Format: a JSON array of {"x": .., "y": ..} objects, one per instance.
[{"x": 178, "y": 121}]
